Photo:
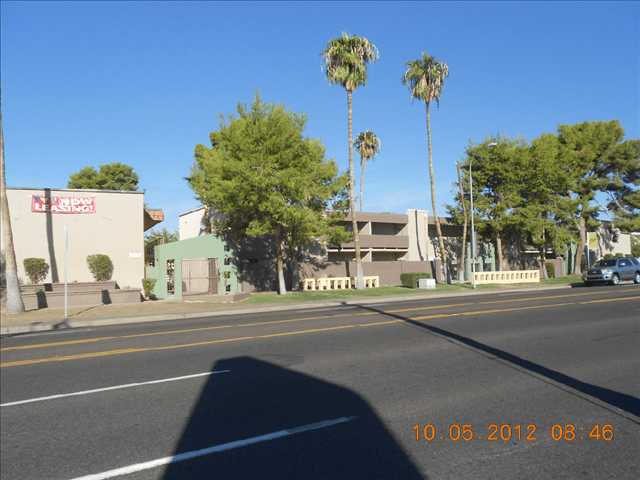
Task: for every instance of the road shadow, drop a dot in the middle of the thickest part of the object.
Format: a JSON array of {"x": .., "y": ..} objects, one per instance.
[
  {"x": 621, "y": 401},
  {"x": 257, "y": 398}
]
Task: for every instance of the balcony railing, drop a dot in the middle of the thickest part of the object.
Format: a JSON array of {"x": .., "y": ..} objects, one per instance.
[{"x": 380, "y": 241}]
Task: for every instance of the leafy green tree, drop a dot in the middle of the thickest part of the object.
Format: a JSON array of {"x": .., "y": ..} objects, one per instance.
[
  {"x": 346, "y": 59},
  {"x": 590, "y": 149},
  {"x": 154, "y": 238},
  {"x": 12, "y": 298},
  {"x": 425, "y": 79},
  {"x": 496, "y": 164},
  {"x": 263, "y": 178},
  {"x": 624, "y": 186},
  {"x": 368, "y": 145},
  {"x": 111, "y": 176},
  {"x": 543, "y": 210}
]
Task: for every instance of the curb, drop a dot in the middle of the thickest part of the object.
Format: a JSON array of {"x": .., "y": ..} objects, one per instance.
[{"x": 44, "y": 327}]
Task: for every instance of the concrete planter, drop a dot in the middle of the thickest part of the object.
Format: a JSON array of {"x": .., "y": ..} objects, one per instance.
[
  {"x": 42, "y": 299},
  {"x": 426, "y": 283},
  {"x": 72, "y": 287}
]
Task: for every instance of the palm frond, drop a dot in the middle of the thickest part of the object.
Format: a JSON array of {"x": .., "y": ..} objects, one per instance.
[
  {"x": 425, "y": 78},
  {"x": 368, "y": 145},
  {"x": 346, "y": 59}
]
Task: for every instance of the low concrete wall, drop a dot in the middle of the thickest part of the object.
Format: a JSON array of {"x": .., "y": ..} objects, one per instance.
[
  {"x": 73, "y": 287},
  {"x": 42, "y": 299}
]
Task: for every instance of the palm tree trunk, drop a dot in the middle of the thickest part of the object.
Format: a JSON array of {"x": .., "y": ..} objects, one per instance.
[
  {"x": 577, "y": 267},
  {"x": 462, "y": 261},
  {"x": 443, "y": 254},
  {"x": 282, "y": 287},
  {"x": 12, "y": 298},
  {"x": 352, "y": 200},
  {"x": 363, "y": 167}
]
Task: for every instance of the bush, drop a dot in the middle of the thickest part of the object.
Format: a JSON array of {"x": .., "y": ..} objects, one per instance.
[
  {"x": 551, "y": 271},
  {"x": 410, "y": 280},
  {"x": 147, "y": 285},
  {"x": 100, "y": 267},
  {"x": 36, "y": 269},
  {"x": 635, "y": 246}
]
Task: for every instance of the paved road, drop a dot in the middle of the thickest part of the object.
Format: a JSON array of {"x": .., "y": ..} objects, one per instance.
[{"x": 337, "y": 393}]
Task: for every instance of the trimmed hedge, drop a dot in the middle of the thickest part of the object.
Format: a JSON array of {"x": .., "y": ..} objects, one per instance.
[
  {"x": 36, "y": 269},
  {"x": 410, "y": 280},
  {"x": 100, "y": 266}
]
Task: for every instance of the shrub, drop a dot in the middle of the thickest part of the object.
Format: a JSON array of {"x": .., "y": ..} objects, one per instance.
[
  {"x": 100, "y": 266},
  {"x": 147, "y": 285},
  {"x": 551, "y": 271},
  {"x": 410, "y": 280},
  {"x": 36, "y": 269},
  {"x": 635, "y": 246}
]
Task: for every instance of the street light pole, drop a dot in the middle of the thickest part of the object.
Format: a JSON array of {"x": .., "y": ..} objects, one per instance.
[{"x": 473, "y": 230}]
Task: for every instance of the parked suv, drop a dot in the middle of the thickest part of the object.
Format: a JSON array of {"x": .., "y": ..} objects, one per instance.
[{"x": 613, "y": 271}]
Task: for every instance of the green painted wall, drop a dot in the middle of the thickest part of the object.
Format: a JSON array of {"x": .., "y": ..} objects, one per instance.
[{"x": 205, "y": 246}]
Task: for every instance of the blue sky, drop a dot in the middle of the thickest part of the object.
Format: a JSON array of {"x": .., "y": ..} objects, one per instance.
[{"x": 143, "y": 83}]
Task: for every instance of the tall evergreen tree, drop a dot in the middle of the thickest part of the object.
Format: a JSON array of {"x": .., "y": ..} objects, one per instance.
[
  {"x": 263, "y": 178},
  {"x": 590, "y": 150}
]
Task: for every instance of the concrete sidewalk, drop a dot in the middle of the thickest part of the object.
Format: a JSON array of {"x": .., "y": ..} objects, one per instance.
[{"x": 44, "y": 320}]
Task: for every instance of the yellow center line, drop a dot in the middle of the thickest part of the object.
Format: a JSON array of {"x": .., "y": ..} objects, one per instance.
[
  {"x": 124, "y": 351},
  {"x": 278, "y": 322}
]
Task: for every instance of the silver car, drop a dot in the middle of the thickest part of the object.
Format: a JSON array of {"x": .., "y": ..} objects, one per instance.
[{"x": 613, "y": 271}]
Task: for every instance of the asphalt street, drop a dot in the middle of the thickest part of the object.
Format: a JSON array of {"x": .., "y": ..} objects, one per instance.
[{"x": 527, "y": 385}]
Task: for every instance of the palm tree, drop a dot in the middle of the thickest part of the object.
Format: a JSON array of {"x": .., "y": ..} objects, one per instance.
[
  {"x": 346, "y": 59},
  {"x": 14, "y": 302},
  {"x": 368, "y": 145},
  {"x": 425, "y": 79},
  {"x": 155, "y": 238}
]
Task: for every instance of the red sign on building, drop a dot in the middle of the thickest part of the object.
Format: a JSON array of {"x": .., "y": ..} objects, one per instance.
[{"x": 63, "y": 204}]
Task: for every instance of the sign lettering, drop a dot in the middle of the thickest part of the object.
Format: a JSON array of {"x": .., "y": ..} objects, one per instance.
[{"x": 74, "y": 205}]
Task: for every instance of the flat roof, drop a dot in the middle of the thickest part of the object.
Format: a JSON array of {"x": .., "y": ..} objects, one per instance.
[
  {"x": 191, "y": 211},
  {"x": 92, "y": 190}
]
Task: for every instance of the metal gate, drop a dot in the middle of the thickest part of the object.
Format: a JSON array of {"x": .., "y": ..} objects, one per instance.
[{"x": 199, "y": 276}]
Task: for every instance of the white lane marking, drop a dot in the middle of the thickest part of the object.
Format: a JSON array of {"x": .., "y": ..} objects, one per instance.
[
  {"x": 106, "y": 389},
  {"x": 181, "y": 457}
]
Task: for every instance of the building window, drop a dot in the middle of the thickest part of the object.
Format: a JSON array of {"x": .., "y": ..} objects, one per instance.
[
  {"x": 227, "y": 261},
  {"x": 227, "y": 275},
  {"x": 170, "y": 276},
  {"x": 226, "y": 247},
  {"x": 227, "y": 288}
]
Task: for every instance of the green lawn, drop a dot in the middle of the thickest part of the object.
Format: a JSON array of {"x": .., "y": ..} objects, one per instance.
[
  {"x": 300, "y": 297},
  {"x": 567, "y": 280}
]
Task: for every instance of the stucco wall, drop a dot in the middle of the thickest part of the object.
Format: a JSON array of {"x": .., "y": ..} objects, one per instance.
[
  {"x": 115, "y": 229},
  {"x": 190, "y": 224},
  {"x": 204, "y": 246}
]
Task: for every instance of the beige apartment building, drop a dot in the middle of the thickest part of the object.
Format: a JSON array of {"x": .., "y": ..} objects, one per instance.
[
  {"x": 98, "y": 221},
  {"x": 384, "y": 237}
]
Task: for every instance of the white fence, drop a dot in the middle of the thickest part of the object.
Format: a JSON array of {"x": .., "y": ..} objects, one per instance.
[
  {"x": 514, "y": 276},
  {"x": 338, "y": 283}
]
